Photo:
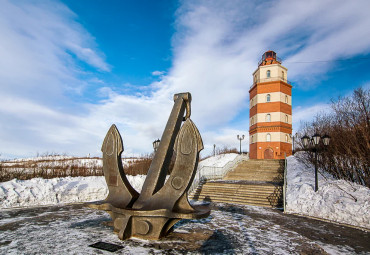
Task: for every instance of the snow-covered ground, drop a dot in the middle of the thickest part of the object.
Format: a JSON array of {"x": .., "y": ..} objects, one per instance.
[
  {"x": 335, "y": 200},
  {"x": 17, "y": 193},
  {"x": 218, "y": 160},
  {"x": 229, "y": 229},
  {"x": 55, "y": 161},
  {"x": 38, "y": 191}
]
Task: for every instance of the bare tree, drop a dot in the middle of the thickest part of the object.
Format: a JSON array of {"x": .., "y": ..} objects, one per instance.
[{"x": 348, "y": 155}]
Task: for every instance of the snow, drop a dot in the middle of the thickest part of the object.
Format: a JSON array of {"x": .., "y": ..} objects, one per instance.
[
  {"x": 335, "y": 200},
  {"x": 53, "y": 161},
  {"x": 49, "y": 157},
  {"x": 218, "y": 160},
  {"x": 228, "y": 230},
  {"x": 38, "y": 191}
]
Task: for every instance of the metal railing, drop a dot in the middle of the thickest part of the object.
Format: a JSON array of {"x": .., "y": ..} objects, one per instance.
[
  {"x": 214, "y": 172},
  {"x": 276, "y": 58},
  {"x": 271, "y": 79}
]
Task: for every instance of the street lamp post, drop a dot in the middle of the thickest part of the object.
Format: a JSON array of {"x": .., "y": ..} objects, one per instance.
[
  {"x": 240, "y": 138},
  {"x": 156, "y": 144},
  {"x": 315, "y": 140},
  {"x": 292, "y": 137}
]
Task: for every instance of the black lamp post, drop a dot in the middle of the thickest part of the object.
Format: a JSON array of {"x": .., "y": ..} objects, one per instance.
[
  {"x": 314, "y": 142},
  {"x": 156, "y": 144},
  {"x": 240, "y": 138},
  {"x": 292, "y": 137}
]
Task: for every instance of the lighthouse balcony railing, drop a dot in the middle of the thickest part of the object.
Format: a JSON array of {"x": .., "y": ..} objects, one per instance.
[
  {"x": 276, "y": 58},
  {"x": 270, "y": 79}
]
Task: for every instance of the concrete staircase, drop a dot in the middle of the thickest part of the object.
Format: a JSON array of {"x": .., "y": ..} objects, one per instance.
[
  {"x": 261, "y": 170},
  {"x": 252, "y": 182}
]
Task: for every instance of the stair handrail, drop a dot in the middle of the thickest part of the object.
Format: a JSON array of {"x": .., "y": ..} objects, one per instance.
[
  {"x": 285, "y": 182},
  {"x": 215, "y": 172}
]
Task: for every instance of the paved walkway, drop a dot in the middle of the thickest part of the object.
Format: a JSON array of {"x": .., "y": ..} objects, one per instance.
[{"x": 229, "y": 229}]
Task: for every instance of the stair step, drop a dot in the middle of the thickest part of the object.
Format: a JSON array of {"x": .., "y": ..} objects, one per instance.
[
  {"x": 235, "y": 187},
  {"x": 255, "y": 172},
  {"x": 246, "y": 176},
  {"x": 238, "y": 191},
  {"x": 256, "y": 203},
  {"x": 213, "y": 189},
  {"x": 258, "y": 193},
  {"x": 241, "y": 187},
  {"x": 241, "y": 192},
  {"x": 253, "y": 179},
  {"x": 252, "y": 198},
  {"x": 223, "y": 196}
]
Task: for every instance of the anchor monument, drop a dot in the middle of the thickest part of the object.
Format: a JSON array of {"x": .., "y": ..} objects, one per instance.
[{"x": 153, "y": 213}]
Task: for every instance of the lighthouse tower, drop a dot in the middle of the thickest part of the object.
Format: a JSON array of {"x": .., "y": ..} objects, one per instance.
[{"x": 270, "y": 122}]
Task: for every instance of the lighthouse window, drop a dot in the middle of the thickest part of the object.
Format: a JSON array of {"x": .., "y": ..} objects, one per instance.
[
  {"x": 286, "y": 138},
  {"x": 268, "y": 74},
  {"x": 268, "y": 98},
  {"x": 286, "y": 118},
  {"x": 282, "y": 75},
  {"x": 268, "y": 138},
  {"x": 286, "y": 99},
  {"x": 268, "y": 117}
]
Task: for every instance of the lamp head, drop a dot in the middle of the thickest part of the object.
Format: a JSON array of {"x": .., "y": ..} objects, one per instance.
[
  {"x": 326, "y": 139},
  {"x": 305, "y": 140},
  {"x": 316, "y": 139},
  {"x": 156, "y": 144}
]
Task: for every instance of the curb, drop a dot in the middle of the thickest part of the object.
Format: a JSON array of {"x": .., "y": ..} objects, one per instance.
[{"x": 330, "y": 221}]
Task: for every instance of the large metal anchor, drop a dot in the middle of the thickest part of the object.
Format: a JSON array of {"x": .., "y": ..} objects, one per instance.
[{"x": 152, "y": 214}]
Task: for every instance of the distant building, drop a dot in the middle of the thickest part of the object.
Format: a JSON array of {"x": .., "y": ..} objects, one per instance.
[{"x": 270, "y": 122}]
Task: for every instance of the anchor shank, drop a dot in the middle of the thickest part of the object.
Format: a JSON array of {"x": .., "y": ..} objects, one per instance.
[{"x": 158, "y": 169}]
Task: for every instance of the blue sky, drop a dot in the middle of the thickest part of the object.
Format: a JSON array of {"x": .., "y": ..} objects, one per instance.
[{"x": 69, "y": 69}]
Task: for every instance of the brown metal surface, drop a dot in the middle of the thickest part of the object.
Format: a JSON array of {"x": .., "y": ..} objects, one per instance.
[{"x": 160, "y": 205}]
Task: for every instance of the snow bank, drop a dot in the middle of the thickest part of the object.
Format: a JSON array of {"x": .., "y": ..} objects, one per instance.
[
  {"x": 40, "y": 191},
  {"x": 218, "y": 160},
  {"x": 62, "y": 160},
  {"x": 335, "y": 199}
]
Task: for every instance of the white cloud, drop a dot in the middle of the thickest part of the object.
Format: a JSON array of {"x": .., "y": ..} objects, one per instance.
[
  {"x": 225, "y": 137},
  {"x": 158, "y": 73},
  {"x": 38, "y": 49},
  {"x": 307, "y": 114},
  {"x": 216, "y": 49}
]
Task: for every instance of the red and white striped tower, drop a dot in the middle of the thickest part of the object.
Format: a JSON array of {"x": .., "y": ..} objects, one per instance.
[{"x": 270, "y": 110}]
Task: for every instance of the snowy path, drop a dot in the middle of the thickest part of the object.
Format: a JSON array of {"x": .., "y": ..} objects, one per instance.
[{"x": 69, "y": 229}]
